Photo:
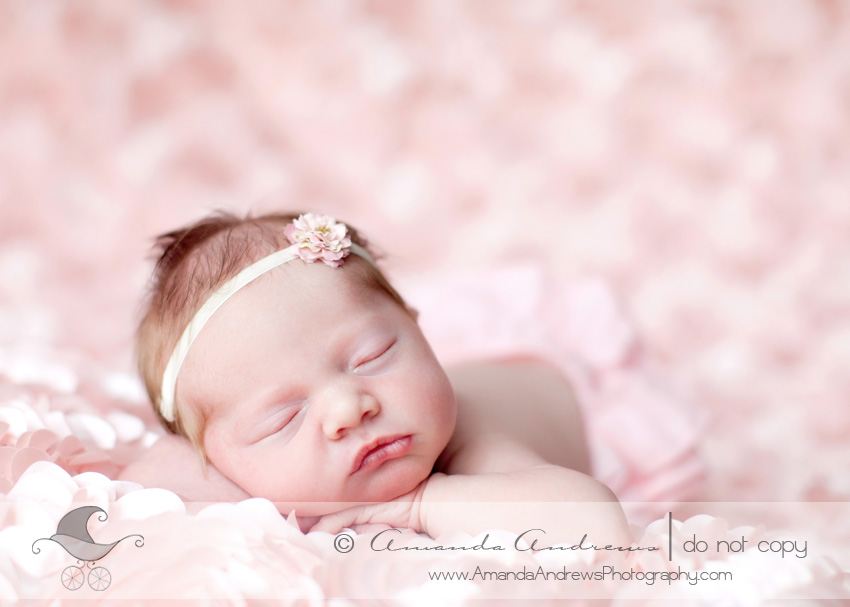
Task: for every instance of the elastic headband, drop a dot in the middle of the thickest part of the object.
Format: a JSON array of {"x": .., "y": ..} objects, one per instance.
[{"x": 314, "y": 238}]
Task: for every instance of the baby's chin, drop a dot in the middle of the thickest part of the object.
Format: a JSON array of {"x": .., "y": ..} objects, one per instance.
[
  {"x": 393, "y": 481},
  {"x": 401, "y": 485}
]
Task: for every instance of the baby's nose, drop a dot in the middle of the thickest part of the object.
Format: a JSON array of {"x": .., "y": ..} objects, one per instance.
[{"x": 345, "y": 409}]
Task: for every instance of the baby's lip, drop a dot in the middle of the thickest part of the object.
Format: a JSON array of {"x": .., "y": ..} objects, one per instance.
[{"x": 366, "y": 449}]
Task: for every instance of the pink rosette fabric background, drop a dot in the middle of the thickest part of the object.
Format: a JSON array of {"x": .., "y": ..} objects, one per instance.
[{"x": 655, "y": 196}]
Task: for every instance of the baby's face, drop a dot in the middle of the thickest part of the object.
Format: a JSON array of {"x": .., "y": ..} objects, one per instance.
[{"x": 318, "y": 389}]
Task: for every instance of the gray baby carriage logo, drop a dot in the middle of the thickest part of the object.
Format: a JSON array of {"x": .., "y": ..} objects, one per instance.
[{"x": 73, "y": 535}]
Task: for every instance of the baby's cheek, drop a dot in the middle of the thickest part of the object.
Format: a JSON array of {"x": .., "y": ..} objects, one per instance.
[{"x": 444, "y": 401}]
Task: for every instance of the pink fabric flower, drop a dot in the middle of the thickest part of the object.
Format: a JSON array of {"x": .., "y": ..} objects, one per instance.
[{"x": 319, "y": 238}]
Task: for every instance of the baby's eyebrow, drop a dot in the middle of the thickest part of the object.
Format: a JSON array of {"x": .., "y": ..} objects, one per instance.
[
  {"x": 248, "y": 412},
  {"x": 373, "y": 325},
  {"x": 267, "y": 402}
]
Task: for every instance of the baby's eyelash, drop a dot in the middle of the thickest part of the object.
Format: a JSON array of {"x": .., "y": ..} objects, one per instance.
[
  {"x": 282, "y": 425},
  {"x": 286, "y": 421},
  {"x": 378, "y": 353}
]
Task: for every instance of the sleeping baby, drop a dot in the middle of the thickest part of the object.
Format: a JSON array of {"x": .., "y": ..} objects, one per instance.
[{"x": 285, "y": 366}]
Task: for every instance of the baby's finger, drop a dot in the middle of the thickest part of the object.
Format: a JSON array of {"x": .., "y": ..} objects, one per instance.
[
  {"x": 305, "y": 523},
  {"x": 336, "y": 522}
]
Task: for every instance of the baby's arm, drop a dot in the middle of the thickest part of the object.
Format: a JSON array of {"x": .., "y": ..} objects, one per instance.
[
  {"x": 173, "y": 463},
  {"x": 564, "y": 503}
]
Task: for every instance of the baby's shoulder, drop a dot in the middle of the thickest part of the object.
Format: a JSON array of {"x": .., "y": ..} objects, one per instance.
[
  {"x": 499, "y": 394},
  {"x": 515, "y": 377},
  {"x": 513, "y": 413}
]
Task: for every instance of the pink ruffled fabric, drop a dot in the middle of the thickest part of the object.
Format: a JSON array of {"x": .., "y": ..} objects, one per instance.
[{"x": 60, "y": 408}]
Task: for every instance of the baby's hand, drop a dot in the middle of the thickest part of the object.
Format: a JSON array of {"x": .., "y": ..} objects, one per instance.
[{"x": 404, "y": 511}]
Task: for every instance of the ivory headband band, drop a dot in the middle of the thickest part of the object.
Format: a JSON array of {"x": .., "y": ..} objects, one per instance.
[{"x": 314, "y": 238}]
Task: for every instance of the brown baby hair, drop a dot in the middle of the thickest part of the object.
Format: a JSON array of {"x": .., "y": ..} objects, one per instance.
[{"x": 192, "y": 262}]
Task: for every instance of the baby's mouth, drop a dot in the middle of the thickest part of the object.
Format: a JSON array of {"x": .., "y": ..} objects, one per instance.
[{"x": 378, "y": 451}]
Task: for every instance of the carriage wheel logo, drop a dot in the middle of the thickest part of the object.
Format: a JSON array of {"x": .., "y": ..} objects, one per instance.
[{"x": 73, "y": 535}]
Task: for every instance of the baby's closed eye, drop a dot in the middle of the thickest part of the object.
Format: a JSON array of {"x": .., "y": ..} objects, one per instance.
[
  {"x": 285, "y": 419},
  {"x": 373, "y": 357}
]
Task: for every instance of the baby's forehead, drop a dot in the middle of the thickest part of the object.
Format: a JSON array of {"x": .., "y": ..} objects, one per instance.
[{"x": 296, "y": 295}]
